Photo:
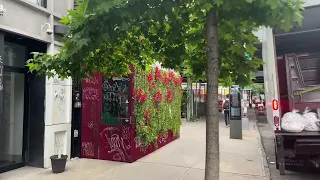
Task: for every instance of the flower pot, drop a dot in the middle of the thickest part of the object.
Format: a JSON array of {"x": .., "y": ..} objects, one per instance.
[{"x": 58, "y": 164}]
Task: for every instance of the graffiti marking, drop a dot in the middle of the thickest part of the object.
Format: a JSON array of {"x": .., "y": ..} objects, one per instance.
[{"x": 88, "y": 149}]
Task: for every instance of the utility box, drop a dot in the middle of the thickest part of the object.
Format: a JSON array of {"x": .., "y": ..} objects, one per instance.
[{"x": 235, "y": 113}]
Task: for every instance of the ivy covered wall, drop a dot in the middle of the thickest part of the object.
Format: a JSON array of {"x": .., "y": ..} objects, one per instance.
[{"x": 157, "y": 107}]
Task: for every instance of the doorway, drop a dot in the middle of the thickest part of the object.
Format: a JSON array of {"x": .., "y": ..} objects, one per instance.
[
  {"x": 13, "y": 92},
  {"x": 76, "y": 118},
  {"x": 22, "y": 96}
]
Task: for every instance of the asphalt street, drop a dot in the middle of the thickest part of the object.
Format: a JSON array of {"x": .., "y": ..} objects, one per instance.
[{"x": 267, "y": 138}]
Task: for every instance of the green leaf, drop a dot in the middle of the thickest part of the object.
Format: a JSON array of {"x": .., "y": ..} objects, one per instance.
[
  {"x": 273, "y": 3},
  {"x": 218, "y": 2},
  {"x": 65, "y": 20}
]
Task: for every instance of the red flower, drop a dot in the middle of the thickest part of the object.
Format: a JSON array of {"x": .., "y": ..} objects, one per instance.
[
  {"x": 150, "y": 81},
  {"x": 169, "y": 96},
  {"x": 141, "y": 38},
  {"x": 144, "y": 98},
  {"x": 171, "y": 74},
  {"x": 139, "y": 92},
  {"x": 146, "y": 115},
  {"x": 166, "y": 79},
  {"x": 178, "y": 81},
  {"x": 140, "y": 96},
  {"x": 157, "y": 97},
  {"x": 152, "y": 85},
  {"x": 157, "y": 74},
  {"x": 180, "y": 91},
  {"x": 149, "y": 77}
]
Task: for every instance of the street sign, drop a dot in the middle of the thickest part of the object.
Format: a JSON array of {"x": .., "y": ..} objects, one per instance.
[{"x": 247, "y": 56}]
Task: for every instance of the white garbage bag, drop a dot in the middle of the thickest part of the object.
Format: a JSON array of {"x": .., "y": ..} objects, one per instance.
[
  {"x": 292, "y": 121},
  {"x": 310, "y": 120}
]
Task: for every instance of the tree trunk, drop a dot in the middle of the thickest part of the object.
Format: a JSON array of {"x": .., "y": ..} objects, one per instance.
[{"x": 212, "y": 118}]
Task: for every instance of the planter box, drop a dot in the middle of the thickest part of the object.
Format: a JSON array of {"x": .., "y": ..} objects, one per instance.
[{"x": 106, "y": 137}]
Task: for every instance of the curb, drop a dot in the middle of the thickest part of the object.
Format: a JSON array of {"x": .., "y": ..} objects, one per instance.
[{"x": 263, "y": 153}]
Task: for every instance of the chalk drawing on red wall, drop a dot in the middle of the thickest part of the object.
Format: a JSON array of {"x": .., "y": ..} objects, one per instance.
[
  {"x": 93, "y": 125},
  {"x": 116, "y": 143},
  {"x": 87, "y": 149},
  {"x": 126, "y": 132},
  {"x": 90, "y": 93},
  {"x": 91, "y": 80}
]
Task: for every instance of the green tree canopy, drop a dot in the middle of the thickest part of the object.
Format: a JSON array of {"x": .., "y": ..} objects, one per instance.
[
  {"x": 108, "y": 36},
  {"x": 257, "y": 88}
]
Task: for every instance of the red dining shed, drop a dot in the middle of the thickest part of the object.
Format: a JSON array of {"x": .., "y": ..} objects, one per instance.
[{"x": 109, "y": 129}]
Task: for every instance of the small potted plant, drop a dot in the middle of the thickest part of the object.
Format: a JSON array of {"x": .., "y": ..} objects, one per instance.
[{"x": 58, "y": 162}]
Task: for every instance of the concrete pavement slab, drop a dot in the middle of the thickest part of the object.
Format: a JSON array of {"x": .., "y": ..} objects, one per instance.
[
  {"x": 195, "y": 174},
  {"x": 243, "y": 165},
  {"x": 184, "y": 159},
  {"x": 181, "y": 156},
  {"x": 147, "y": 171}
]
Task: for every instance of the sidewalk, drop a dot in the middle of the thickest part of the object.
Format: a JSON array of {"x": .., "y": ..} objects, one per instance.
[{"x": 183, "y": 159}]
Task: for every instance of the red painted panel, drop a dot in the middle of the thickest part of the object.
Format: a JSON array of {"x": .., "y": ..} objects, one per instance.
[
  {"x": 115, "y": 143},
  {"x": 106, "y": 142},
  {"x": 283, "y": 87},
  {"x": 91, "y": 116}
]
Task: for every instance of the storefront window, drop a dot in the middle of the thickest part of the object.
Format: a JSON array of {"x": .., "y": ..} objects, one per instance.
[
  {"x": 11, "y": 138},
  {"x": 11, "y": 124},
  {"x": 14, "y": 55}
]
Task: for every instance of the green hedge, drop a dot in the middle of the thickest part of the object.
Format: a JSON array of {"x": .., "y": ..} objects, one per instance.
[{"x": 157, "y": 106}]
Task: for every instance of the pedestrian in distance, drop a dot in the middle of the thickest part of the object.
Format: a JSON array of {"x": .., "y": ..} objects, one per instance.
[{"x": 226, "y": 112}]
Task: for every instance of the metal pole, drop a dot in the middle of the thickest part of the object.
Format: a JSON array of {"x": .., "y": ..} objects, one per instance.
[
  {"x": 1, "y": 93},
  {"x": 189, "y": 101},
  {"x": 197, "y": 99}
]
